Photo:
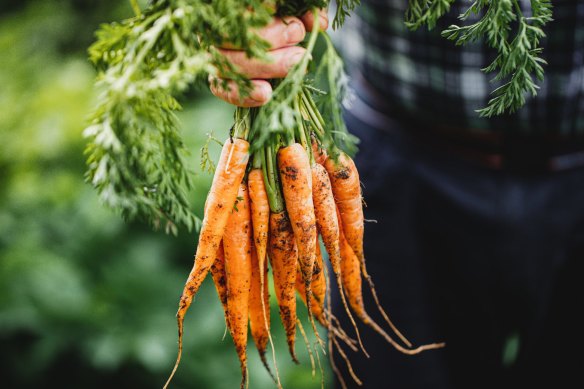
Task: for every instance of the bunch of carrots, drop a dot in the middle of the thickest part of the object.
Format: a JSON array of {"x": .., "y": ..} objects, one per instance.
[{"x": 270, "y": 205}]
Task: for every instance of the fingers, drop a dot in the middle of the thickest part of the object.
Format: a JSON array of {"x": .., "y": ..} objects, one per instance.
[
  {"x": 259, "y": 95},
  {"x": 281, "y": 61},
  {"x": 281, "y": 32},
  {"x": 308, "y": 20}
]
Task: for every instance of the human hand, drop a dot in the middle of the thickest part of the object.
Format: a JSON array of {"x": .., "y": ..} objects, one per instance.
[{"x": 283, "y": 35}]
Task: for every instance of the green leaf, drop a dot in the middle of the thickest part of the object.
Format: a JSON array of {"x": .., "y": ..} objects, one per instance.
[{"x": 518, "y": 61}]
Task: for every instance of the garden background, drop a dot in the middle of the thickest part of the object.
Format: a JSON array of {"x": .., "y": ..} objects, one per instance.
[{"x": 88, "y": 300}]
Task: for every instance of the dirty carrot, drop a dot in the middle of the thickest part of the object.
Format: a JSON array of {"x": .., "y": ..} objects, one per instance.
[
  {"x": 327, "y": 224},
  {"x": 296, "y": 177},
  {"x": 237, "y": 244},
  {"x": 220, "y": 200},
  {"x": 347, "y": 192},
  {"x": 283, "y": 258},
  {"x": 318, "y": 284},
  {"x": 258, "y": 317},
  {"x": 260, "y": 217},
  {"x": 220, "y": 279}
]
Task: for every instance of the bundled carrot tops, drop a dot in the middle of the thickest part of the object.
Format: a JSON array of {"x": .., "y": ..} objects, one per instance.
[{"x": 270, "y": 205}]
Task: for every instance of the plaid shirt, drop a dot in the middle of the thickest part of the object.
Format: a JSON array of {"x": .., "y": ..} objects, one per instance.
[{"x": 422, "y": 74}]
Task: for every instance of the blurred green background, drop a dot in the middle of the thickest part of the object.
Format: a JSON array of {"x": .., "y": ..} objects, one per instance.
[{"x": 86, "y": 299}]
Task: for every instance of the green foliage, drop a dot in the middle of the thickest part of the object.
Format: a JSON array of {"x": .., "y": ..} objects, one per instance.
[
  {"x": 505, "y": 28},
  {"x": 87, "y": 301},
  {"x": 135, "y": 153},
  {"x": 426, "y": 12},
  {"x": 344, "y": 9},
  {"x": 330, "y": 76}
]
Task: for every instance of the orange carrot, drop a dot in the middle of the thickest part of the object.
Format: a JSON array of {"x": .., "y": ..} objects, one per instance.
[
  {"x": 327, "y": 223},
  {"x": 296, "y": 178},
  {"x": 260, "y": 215},
  {"x": 320, "y": 154},
  {"x": 258, "y": 300},
  {"x": 318, "y": 284},
  {"x": 347, "y": 192},
  {"x": 237, "y": 243},
  {"x": 220, "y": 279},
  {"x": 323, "y": 315},
  {"x": 326, "y": 216},
  {"x": 283, "y": 258},
  {"x": 228, "y": 175}
]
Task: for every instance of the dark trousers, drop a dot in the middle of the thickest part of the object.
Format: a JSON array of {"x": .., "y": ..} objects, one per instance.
[{"x": 491, "y": 262}]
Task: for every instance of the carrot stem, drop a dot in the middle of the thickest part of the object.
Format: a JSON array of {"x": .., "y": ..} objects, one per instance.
[{"x": 271, "y": 180}]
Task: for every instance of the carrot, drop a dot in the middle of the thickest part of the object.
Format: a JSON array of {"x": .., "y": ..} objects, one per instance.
[
  {"x": 260, "y": 217},
  {"x": 327, "y": 224},
  {"x": 318, "y": 284},
  {"x": 258, "y": 299},
  {"x": 283, "y": 257},
  {"x": 220, "y": 279},
  {"x": 238, "y": 262},
  {"x": 351, "y": 269},
  {"x": 347, "y": 192},
  {"x": 296, "y": 178},
  {"x": 320, "y": 154},
  {"x": 228, "y": 175}
]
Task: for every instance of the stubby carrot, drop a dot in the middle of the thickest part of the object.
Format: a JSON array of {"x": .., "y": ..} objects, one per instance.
[
  {"x": 237, "y": 244},
  {"x": 283, "y": 258},
  {"x": 224, "y": 188}
]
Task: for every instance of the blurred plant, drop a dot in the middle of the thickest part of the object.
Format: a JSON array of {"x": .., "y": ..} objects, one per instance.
[
  {"x": 87, "y": 301},
  {"x": 504, "y": 26}
]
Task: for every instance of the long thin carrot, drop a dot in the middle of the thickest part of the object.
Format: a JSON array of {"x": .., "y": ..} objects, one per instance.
[
  {"x": 228, "y": 175},
  {"x": 220, "y": 278},
  {"x": 296, "y": 178},
  {"x": 237, "y": 243},
  {"x": 347, "y": 192},
  {"x": 283, "y": 258},
  {"x": 327, "y": 224},
  {"x": 323, "y": 315},
  {"x": 351, "y": 270},
  {"x": 318, "y": 284},
  {"x": 258, "y": 316},
  {"x": 260, "y": 216}
]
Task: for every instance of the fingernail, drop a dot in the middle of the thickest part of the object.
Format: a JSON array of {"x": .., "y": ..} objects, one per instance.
[
  {"x": 294, "y": 32},
  {"x": 261, "y": 93},
  {"x": 293, "y": 59}
]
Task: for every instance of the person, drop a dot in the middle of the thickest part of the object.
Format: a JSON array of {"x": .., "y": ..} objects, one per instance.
[{"x": 479, "y": 233}]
